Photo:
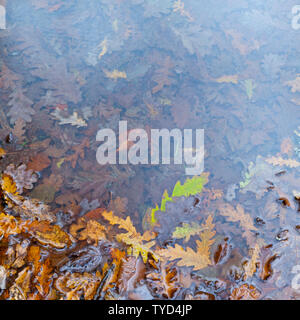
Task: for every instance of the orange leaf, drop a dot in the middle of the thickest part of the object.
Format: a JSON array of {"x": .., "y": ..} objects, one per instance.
[{"x": 47, "y": 234}]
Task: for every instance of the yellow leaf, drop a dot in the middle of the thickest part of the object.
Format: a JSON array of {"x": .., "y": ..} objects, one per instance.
[
  {"x": 115, "y": 74},
  {"x": 103, "y": 46},
  {"x": 8, "y": 185},
  {"x": 278, "y": 161},
  {"x": 2, "y": 152},
  {"x": 250, "y": 266},
  {"x": 21, "y": 288},
  {"x": 228, "y": 79},
  {"x": 9, "y": 225},
  {"x": 139, "y": 244},
  {"x": 92, "y": 230},
  {"x": 123, "y": 223}
]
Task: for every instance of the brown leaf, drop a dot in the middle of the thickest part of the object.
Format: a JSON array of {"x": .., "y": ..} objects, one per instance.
[
  {"x": 48, "y": 234},
  {"x": 245, "y": 292},
  {"x": 39, "y": 162}
]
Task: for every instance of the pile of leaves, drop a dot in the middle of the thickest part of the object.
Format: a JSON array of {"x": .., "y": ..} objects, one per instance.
[{"x": 102, "y": 255}]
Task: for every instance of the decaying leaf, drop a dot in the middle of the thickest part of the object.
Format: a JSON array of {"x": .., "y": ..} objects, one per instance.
[
  {"x": 28, "y": 208},
  {"x": 22, "y": 177},
  {"x": 79, "y": 152},
  {"x": 39, "y": 162},
  {"x": 118, "y": 205},
  {"x": 251, "y": 265},
  {"x": 48, "y": 234},
  {"x": 88, "y": 258},
  {"x": 163, "y": 75},
  {"x": 21, "y": 106},
  {"x": 73, "y": 119},
  {"x": 164, "y": 281},
  {"x": 90, "y": 230},
  {"x": 245, "y": 292},
  {"x": 75, "y": 286}
]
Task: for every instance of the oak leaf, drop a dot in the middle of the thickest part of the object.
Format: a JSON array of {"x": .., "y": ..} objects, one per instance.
[
  {"x": 115, "y": 74},
  {"x": 190, "y": 187},
  {"x": 23, "y": 178},
  {"x": 48, "y": 234},
  {"x": 162, "y": 76},
  {"x": 9, "y": 225},
  {"x": 21, "y": 106},
  {"x": 251, "y": 265},
  {"x": 39, "y": 162},
  {"x": 19, "y": 129},
  {"x": 186, "y": 231},
  {"x": 28, "y": 208},
  {"x": 8, "y": 78},
  {"x": 73, "y": 119},
  {"x": 138, "y": 244},
  {"x": 279, "y": 161},
  {"x": 73, "y": 285},
  {"x": 90, "y": 230},
  {"x": 79, "y": 152},
  {"x": 228, "y": 79},
  {"x": 244, "y": 219},
  {"x": 198, "y": 259},
  {"x": 245, "y": 292}
]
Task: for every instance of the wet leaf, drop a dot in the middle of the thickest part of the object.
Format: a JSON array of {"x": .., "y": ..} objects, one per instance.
[
  {"x": 278, "y": 161},
  {"x": 47, "y": 234},
  {"x": 198, "y": 259}
]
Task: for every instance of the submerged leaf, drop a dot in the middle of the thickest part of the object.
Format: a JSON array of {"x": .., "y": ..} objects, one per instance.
[{"x": 198, "y": 259}]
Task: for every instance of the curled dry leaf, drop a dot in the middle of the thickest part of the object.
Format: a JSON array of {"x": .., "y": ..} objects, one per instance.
[
  {"x": 90, "y": 230},
  {"x": 245, "y": 292},
  {"x": 163, "y": 282},
  {"x": 76, "y": 285},
  {"x": 48, "y": 234},
  {"x": 24, "y": 179},
  {"x": 88, "y": 258},
  {"x": 28, "y": 208}
]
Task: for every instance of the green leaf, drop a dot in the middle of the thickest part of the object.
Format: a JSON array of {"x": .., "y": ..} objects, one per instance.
[
  {"x": 187, "y": 230},
  {"x": 190, "y": 187}
]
